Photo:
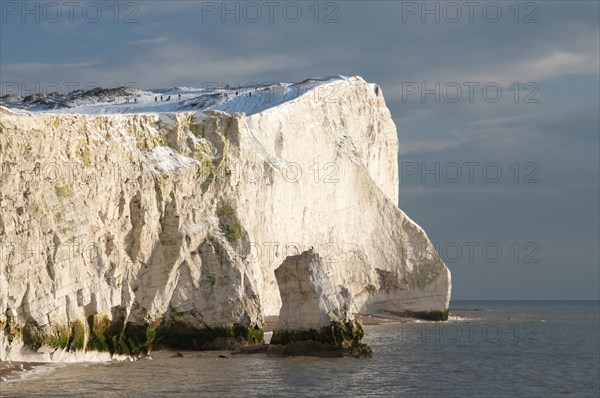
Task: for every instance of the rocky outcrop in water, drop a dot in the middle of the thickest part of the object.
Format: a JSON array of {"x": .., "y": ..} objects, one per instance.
[
  {"x": 125, "y": 232},
  {"x": 314, "y": 317}
]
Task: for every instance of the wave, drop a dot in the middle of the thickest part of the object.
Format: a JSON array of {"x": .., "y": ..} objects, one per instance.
[{"x": 13, "y": 372}]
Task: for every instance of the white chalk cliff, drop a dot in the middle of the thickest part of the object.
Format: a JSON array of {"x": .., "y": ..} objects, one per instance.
[{"x": 162, "y": 223}]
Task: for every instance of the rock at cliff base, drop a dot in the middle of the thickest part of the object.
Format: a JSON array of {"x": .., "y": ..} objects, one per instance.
[{"x": 314, "y": 318}]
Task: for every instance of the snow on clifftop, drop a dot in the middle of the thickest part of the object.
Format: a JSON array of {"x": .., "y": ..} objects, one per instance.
[{"x": 250, "y": 99}]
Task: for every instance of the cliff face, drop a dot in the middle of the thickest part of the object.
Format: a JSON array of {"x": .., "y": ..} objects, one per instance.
[{"x": 121, "y": 231}]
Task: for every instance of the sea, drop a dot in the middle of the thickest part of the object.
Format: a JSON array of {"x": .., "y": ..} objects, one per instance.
[{"x": 487, "y": 349}]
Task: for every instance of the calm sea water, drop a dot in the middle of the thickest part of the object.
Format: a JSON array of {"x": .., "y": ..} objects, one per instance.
[{"x": 487, "y": 349}]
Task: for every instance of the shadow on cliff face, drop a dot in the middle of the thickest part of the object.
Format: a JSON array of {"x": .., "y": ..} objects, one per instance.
[
  {"x": 220, "y": 270},
  {"x": 389, "y": 283}
]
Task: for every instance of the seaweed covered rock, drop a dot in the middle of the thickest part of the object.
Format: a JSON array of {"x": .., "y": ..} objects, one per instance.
[{"x": 314, "y": 317}]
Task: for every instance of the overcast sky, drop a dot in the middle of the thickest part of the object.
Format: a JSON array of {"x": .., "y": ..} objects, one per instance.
[{"x": 488, "y": 88}]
